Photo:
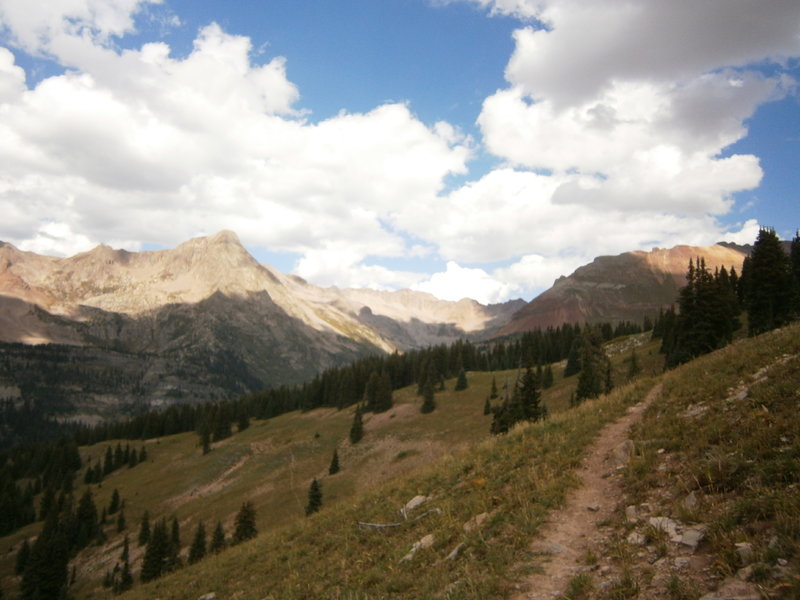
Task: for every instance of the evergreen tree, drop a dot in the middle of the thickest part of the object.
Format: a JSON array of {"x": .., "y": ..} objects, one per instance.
[
  {"x": 108, "y": 462},
  {"x": 46, "y": 572},
  {"x": 198, "y": 548},
  {"x": 143, "y": 454},
  {"x": 633, "y": 365},
  {"x": 114, "y": 504},
  {"x": 121, "y": 524},
  {"x": 23, "y": 554},
  {"x": 154, "y": 563},
  {"x": 87, "y": 525},
  {"x": 461, "y": 381},
  {"x": 144, "y": 529},
  {"x": 530, "y": 397},
  {"x": 547, "y": 378},
  {"x": 218, "y": 542},
  {"x": 428, "y": 400},
  {"x": 794, "y": 262},
  {"x": 125, "y": 579},
  {"x": 769, "y": 290},
  {"x": 126, "y": 550},
  {"x": 173, "y": 554},
  {"x": 487, "y": 406},
  {"x": 334, "y": 467},
  {"x": 357, "y": 428},
  {"x": 245, "y": 523},
  {"x": 243, "y": 421},
  {"x": 594, "y": 376},
  {"x": 493, "y": 393},
  {"x": 573, "y": 358},
  {"x": 314, "y": 498}
]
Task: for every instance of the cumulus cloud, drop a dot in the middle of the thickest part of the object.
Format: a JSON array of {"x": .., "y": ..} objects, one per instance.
[
  {"x": 613, "y": 130},
  {"x": 141, "y": 145}
]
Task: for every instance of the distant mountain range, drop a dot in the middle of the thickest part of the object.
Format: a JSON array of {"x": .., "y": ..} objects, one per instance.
[{"x": 206, "y": 320}]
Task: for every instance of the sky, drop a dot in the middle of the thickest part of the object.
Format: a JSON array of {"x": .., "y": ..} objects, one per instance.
[{"x": 467, "y": 148}]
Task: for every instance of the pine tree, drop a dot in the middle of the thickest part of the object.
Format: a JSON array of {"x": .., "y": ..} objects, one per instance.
[
  {"x": 769, "y": 293},
  {"x": 334, "y": 467},
  {"x": 530, "y": 397},
  {"x": 23, "y": 554},
  {"x": 314, "y": 498},
  {"x": 357, "y": 428},
  {"x": 245, "y": 523},
  {"x": 198, "y": 548},
  {"x": 173, "y": 554},
  {"x": 121, "y": 524},
  {"x": 218, "y": 542},
  {"x": 594, "y": 376},
  {"x": 461, "y": 381},
  {"x": 428, "y": 400},
  {"x": 86, "y": 521},
  {"x": 144, "y": 529},
  {"x": 633, "y": 365},
  {"x": 46, "y": 573},
  {"x": 154, "y": 563},
  {"x": 114, "y": 504},
  {"x": 487, "y": 406}
]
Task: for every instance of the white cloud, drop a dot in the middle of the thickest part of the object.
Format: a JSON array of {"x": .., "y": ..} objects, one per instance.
[{"x": 462, "y": 282}]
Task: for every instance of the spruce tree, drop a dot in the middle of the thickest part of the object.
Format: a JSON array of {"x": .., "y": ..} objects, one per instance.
[
  {"x": 23, "y": 554},
  {"x": 198, "y": 548},
  {"x": 428, "y": 400},
  {"x": 357, "y": 428},
  {"x": 86, "y": 520},
  {"x": 461, "y": 381},
  {"x": 218, "y": 542},
  {"x": 46, "y": 572},
  {"x": 245, "y": 523},
  {"x": 144, "y": 529},
  {"x": 334, "y": 467},
  {"x": 154, "y": 563},
  {"x": 113, "y": 506},
  {"x": 769, "y": 293},
  {"x": 487, "y": 406},
  {"x": 314, "y": 498}
]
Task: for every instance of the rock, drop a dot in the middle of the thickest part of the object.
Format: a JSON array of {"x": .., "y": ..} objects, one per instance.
[
  {"x": 636, "y": 539},
  {"x": 455, "y": 552},
  {"x": 631, "y": 514},
  {"x": 415, "y": 502},
  {"x": 745, "y": 573},
  {"x": 209, "y": 596},
  {"x": 694, "y": 411},
  {"x": 476, "y": 522},
  {"x": 690, "y": 502},
  {"x": 693, "y": 536},
  {"x": 425, "y": 542},
  {"x": 682, "y": 562},
  {"x": 734, "y": 589},
  {"x": 624, "y": 452},
  {"x": 745, "y": 552},
  {"x": 593, "y": 508},
  {"x": 666, "y": 525}
]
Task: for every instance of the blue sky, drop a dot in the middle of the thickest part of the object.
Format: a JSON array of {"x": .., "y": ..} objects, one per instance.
[{"x": 469, "y": 148}]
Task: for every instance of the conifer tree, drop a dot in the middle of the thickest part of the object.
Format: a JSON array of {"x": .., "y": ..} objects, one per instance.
[
  {"x": 487, "y": 406},
  {"x": 428, "y": 400},
  {"x": 334, "y": 467},
  {"x": 23, "y": 554},
  {"x": 633, "y": 364},
  {"x": 154, "y": 563},
  {"x": 461, "y": 381},
  {"x": 218, "y": 542},
  {"x": 86, "y": 521},
  {"x": 121, "y": 524},
  {"x": 46, "y": 572},
  {"x": 144, "y": 529},
  {"x": 768, "y": 293},
  {"x": 594, "y": 376},
  {"x": 173, "y": 555},
  {"x": 113, "y": 506},
  {"x": 314, "y": 498},
  {"x": 493, "y": 393},
  {"x": 547, "y": 378},
  {"x": 357, "y": 428},
  {"x": 245, "y": 523},
  {"x": 198, "y": 548}
]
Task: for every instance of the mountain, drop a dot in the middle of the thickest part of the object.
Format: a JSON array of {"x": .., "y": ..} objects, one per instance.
[
  {"x": 626, "y": 287},
  {"x": 201, "y": 321}
]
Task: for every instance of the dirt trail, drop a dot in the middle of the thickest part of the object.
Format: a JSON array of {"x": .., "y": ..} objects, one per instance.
[{"x": 574, "y": 529}]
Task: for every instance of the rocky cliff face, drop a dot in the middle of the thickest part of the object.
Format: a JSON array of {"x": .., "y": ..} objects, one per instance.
[
  {"x": 207, "y": 312},
  {"x": 626, "y": 287}
]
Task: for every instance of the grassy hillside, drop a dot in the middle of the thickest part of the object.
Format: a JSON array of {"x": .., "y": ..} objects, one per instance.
[{"x": 506, "y": 484}]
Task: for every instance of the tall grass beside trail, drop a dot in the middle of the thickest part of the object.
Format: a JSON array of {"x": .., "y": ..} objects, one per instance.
[
  {"x": 515, "y": 479},
  {"x": 728, "y": 427}
]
